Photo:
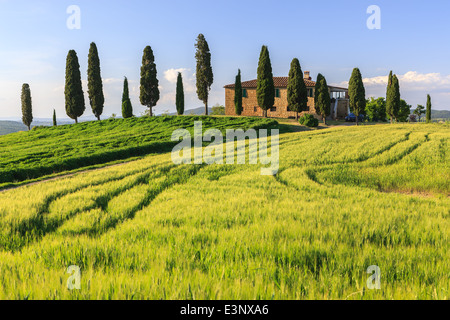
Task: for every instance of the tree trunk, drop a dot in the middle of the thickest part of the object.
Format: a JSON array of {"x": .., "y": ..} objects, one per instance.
[
  {"x": 356, "y": 120},
  {"x": 76, "y": 120},
  {"x": 206, "y": 108},
  {"x": 324, "y": 120},
  {"x": 151, "y": 111},
  {"x": 28, "y": 127},
  {"x": 98, "y": 118}
]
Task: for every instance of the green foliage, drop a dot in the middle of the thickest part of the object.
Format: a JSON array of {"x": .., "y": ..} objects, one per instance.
[
  {"x": 322, "y": 100},
  {"x": 376, "y": 109},
  {"x": 428, "y": 112},
  {"x": 149, "y": 91},
  {"x": 95, "y": 85},
  {"x": 356, "y": 93},
  {"x": 393, "y": 97},
  {"x": 419, "y": 111},
  {"x": 297, "y": 95},
  {"x": 308, "y": 120},
  {"x": 238, "y": 94},
  {"x": 179, "y": 99},
  {"x": 404, "y": 111},
  {"x": 218, "y": 110},
  {"x": 27, "y": 114},
  {"x": 265, "y": 89},
  {"x": 127, "y": 108},
  {"x": 73, "y": 89},
  {"x": 54, "y": 118},
  {"x": 68, "y": 147},
  {"x": 204, "y": 73}
]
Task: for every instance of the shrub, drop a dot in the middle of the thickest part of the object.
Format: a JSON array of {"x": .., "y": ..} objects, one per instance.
[{"x": 308, "y": 120}]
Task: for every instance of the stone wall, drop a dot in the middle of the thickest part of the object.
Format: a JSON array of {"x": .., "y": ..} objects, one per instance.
[{"x": 250, "y": 105}]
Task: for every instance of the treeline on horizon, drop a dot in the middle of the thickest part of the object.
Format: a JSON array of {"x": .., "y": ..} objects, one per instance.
[{"x": 393, "y": 107}]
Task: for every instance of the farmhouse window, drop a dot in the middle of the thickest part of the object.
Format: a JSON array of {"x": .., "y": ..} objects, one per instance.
[
  {"x": 277, "y": 93},
  {"x": 244, "y": 93}
]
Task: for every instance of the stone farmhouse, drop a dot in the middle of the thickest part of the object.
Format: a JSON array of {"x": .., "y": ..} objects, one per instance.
[{"x": 339, "y": 100}]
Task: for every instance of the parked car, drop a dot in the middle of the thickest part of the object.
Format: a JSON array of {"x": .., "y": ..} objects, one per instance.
[{"x": 352, "y": 117}]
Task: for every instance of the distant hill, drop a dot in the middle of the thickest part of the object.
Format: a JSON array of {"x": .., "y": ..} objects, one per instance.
[
  {"x": 197, "y": 111},
  {"x": 11, "y": 126},
  {"x": 440, "y": 114}
]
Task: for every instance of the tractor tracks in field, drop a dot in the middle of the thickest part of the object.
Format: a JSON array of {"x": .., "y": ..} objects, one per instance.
[
  {"x": 44, "y": 222},
  {"x": 61, "y": 176},
  {"x": 312, "y": 170}
]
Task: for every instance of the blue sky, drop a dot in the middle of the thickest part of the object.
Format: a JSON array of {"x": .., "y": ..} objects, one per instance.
[{"x": 330, "y": 37}]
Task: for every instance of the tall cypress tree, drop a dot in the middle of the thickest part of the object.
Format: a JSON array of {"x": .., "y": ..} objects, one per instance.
[
  {"x": 27, "y": 114},
  {"x": 73, "y": 90},
  {"x": 204, "y": 71},
  {"x": 392, "y": 97},
  {"x": 396, "y": 95},
  {"x": 265, "y": 89},
  {"x": 238, "y": 94},
  {"x": 149, "y": 83},
  {"x": 356, "y": 93},
  {"x": 179, "y": 98},
  {"x": 428, "y": 113},
  {"x": 322, "y": 100},
  {"x": 54, "y": 118},
  {"x": 127, "y": 109},
  {"x": 297, "y": 95},
  {"x": 95, "y": 85}
]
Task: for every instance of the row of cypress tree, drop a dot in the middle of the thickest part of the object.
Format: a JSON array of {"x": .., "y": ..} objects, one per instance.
[
  {"x": 149, "y": 91},
  {"x": 265, "y": 91}
]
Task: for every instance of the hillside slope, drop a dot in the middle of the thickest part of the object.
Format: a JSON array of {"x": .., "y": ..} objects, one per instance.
[{"x": 46, "y": 150}]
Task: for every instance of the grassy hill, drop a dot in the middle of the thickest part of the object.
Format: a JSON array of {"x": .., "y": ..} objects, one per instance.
[
  {"x": 344, "y": 199},
  {"x": 48, "y": 150}
]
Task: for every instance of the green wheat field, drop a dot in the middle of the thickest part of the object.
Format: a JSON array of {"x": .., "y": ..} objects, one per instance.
[{"x": 344, "y": 198}]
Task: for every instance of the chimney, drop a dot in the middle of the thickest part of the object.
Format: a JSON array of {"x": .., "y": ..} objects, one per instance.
[{"x": 306, "y": 76}]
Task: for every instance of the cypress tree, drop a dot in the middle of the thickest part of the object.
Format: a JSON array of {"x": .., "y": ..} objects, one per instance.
[
  {"x": 265, "y": 89},
  {"x": 127, "y": 109},
  {"x": 238, "y": 94},
  {"x": 356, "y": 93},
  {"x": 428, "y": 113},
  {"x": 297, "y": 95},
  {"x": 322, "y": 100},
  {"x": 95, "y": 86},
  {"x": 54, "y": 118},
  {"x": 73, "y": 90},
  {"x": 27, "y": 114},
  {"x": 393, "y": 97},
  {"x": 396, "y": 99},
  {"x": 388, "y": 97},
  {"x": 149, "y": 83},
  {"x": 179, "y": 99},
  {"x": 204, "y": 71}
]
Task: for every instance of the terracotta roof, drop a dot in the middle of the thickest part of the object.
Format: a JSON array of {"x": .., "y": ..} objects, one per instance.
[{"x": 279, "y": 82}]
